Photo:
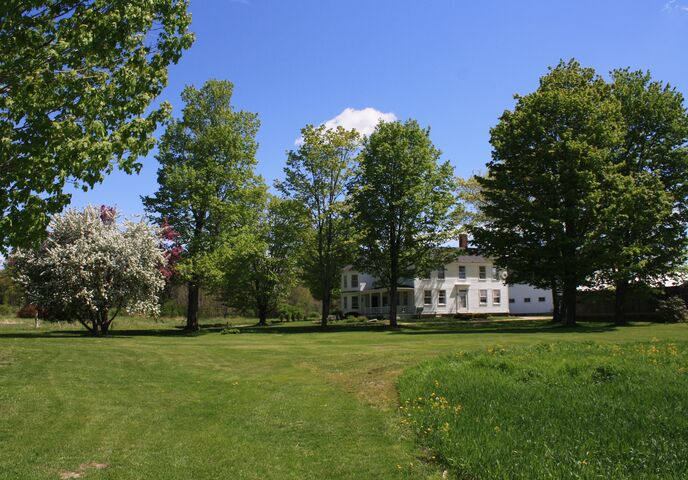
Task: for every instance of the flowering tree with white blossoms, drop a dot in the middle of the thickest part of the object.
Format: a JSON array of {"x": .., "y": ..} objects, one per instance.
[{"x": 90, "y": 268}]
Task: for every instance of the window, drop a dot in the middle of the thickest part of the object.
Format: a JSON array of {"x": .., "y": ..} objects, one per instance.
[
  {"x": 354, "y": 303},
  {"x": 541, "y": 299},
  {"x": 406, "y": 298},
  {"x": 427, "y": 297},
  {"x": 495, "y": 274},
  {"x": 440, "y": 273},
  {"x": 344, "y": 285},
  {"x": 462, "y": 272},
  {"x": 483, "y": 298},
  {"x": 345, "y": 302},
  {"x": 526, "y": 300},
  {"x": 483, "y": 273},
  {"x": 512, "y": 300},
  {"x": 442, "y": 299},
  {"x": 354, "y": 281},
  {"x": 385, "y": 300},
  {"x": 496, "y": 297}
]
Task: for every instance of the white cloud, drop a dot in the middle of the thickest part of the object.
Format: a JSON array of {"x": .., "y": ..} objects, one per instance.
[
  {"x": 673, "y": 5},
  {"x": 364, "y": 120}
]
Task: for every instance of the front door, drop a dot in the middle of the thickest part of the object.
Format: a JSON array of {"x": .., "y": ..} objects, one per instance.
[{"x": 462, "y": 300}]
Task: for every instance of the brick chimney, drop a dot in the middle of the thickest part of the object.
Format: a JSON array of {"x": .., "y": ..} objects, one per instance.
[{"x": 463, "y": 241}]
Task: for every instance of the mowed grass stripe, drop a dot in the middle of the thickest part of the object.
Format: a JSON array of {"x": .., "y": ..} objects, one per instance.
[{"x": 292, "y": 403}]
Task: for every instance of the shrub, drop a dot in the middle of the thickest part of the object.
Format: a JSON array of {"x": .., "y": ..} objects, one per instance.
[
  {"x": 230, "y": 330},
  {"x": 672, "y": 310},
  {"x": 27, "y": 311},
  {"x": 170, "y": 308}
]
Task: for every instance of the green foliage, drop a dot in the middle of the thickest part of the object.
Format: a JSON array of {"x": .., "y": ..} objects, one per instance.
[
  {"x": 256, "y": 268},
  {"x": 470, "y": 194},
  {"x": 403, "y": 203},
  {"x": 541, "y": 197},
  {"x": 291, "y": 313},
  {"x": 77, "y": 78},
  {"x": 645, "y": 210},
  {"x": 207, "y": 186},
  {"x": 300, "y": 296},
  {"x": 230, "y": 331},
  {"x": 554, "y": 410},
  {"x": 317, "y": 175},
  {"x": 10, "y": 291},
  {"x": 672, "y": 310}
]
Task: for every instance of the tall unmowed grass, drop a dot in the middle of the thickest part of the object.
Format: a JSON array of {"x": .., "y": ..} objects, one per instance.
[{"x": 554, "y": 410}]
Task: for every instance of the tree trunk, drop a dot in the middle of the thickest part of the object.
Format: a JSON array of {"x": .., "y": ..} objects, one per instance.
[
  {"x": 192, "y": 307},
  {"x": 262, "y": 316},
  {"x": 620, "y": 302},
  {"x": 556, "y": 312},
  {"x": 569, "y": 302},
  {"x": 104, "y": 321},
  {"x": 393, "y": 305},
  {"x": 327, "y": 298}
]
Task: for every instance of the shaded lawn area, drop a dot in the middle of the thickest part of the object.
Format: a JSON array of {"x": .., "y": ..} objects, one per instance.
[{"x": 283, "y": 402}]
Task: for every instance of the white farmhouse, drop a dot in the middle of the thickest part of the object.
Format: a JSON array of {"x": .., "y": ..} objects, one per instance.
[{"x": 471, "y": 284}]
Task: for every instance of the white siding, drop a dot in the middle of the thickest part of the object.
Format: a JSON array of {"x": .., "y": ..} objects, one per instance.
[
  {"x": 521, "y": 292},
  {"x": 453, "y": 285}
]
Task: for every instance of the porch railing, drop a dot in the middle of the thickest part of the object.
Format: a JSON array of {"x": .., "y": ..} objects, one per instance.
[{"x": 401, "y": 310}]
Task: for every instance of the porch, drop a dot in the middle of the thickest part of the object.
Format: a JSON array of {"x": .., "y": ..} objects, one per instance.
[{"x": 375, "y": 303}]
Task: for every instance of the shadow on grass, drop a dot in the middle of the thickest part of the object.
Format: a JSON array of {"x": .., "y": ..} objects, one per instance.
[
  {"x": 438, "y": 327},
  {"x": 114, "y": 333},
  {"x": 419, "y": 327},
  {"x": 510, "y": 327}
]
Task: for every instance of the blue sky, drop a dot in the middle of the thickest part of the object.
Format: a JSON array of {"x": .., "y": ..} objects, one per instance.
[{"x": 452, "y": 65}]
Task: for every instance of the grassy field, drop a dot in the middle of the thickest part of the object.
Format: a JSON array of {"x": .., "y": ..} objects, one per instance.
[
  {"x": 555, "y": 410},
  {"x": 282, "y": 402}
]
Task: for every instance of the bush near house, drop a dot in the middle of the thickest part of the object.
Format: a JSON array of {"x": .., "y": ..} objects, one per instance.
[{"x": 672, "y": 310}]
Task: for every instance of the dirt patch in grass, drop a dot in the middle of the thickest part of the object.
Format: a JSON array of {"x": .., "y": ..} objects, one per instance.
[
  {"x": 375, "y": 387},
  {"x": 82, "y": 470}
]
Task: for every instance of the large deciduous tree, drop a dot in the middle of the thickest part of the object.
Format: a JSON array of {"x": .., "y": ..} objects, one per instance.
[
  {"x": 77, "y": 78},
  {"x": 404, "y": 205},
  {"x": 645, "y": 214},
  {"x": 89, "y": 268},
  {"x": 207, "y": 184},
  {"x": 257, "y": 268},
  {"x": 541, "y": 199},
  {"x": 317, "y": 175}
]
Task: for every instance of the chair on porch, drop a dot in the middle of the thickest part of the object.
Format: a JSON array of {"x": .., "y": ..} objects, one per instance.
[{"x": 419, "y": 312}]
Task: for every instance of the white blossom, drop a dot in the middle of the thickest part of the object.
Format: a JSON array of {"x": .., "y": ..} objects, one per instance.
[{"x": 90, "y": 268}]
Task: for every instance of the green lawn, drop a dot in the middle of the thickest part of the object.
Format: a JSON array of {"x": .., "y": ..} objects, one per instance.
[{"x": 275, "y": 403}]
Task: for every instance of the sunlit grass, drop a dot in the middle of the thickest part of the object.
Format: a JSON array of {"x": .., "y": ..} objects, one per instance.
[
  {"x": 554, "y": 410},
  {"x": 287, "y": 401}
]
